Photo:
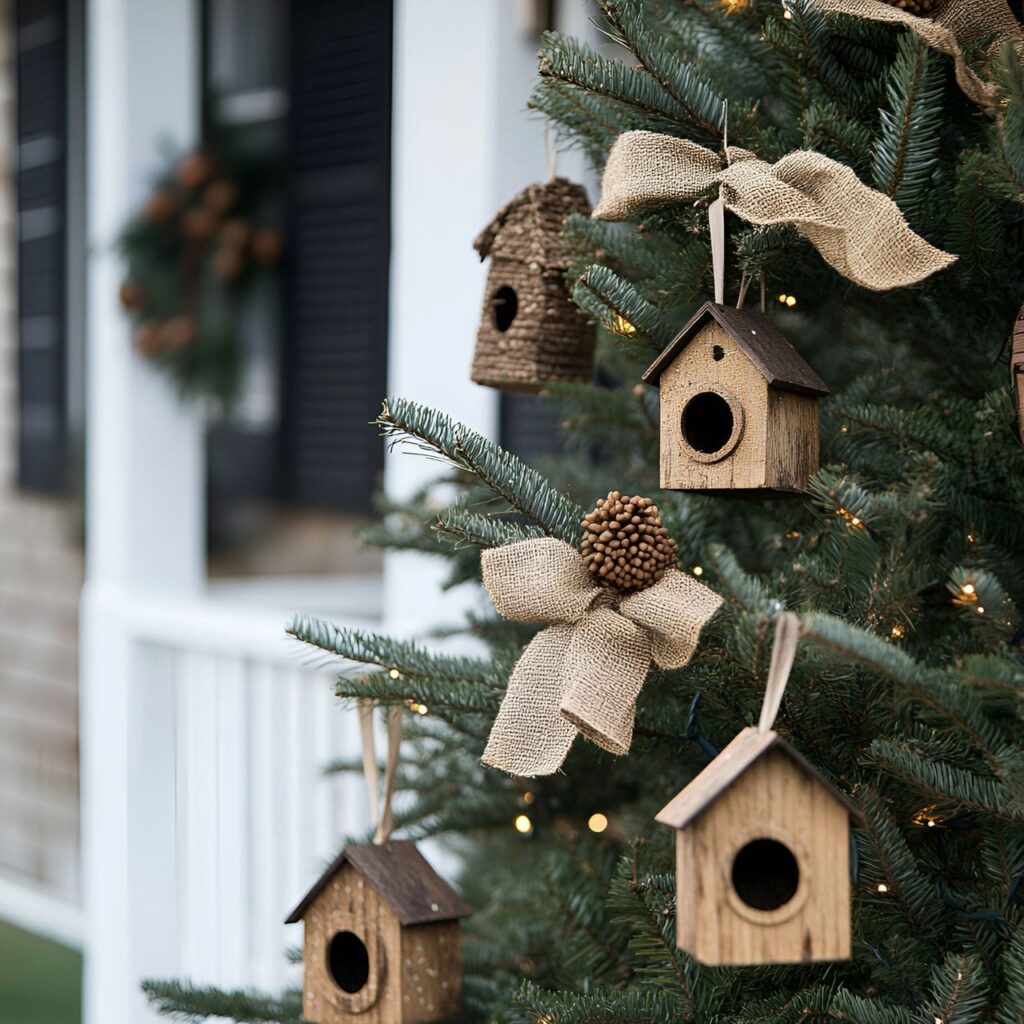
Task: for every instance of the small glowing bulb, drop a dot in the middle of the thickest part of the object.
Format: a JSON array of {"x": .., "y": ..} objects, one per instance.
[
  {"x": 980, "y": 610},
  {"x": 791, "y": 301},
  {"x": 597, "y": 823},
  {"x": 793, "y": 534},
  {"x": 422, "y": 709},
  {"x": 898, "y": 631},
  {"x": 968, "y": 589},
  {"x": 970, "y": 538},
  {"x": 394, "y": 673},
  {"x": 698, "y": 570},
  {"x": 787, "y": 14},
  {"x": 881, "y": 887},
  {"x": 623, "y": 326},
  {"x": 528, "y": 798},
  {"x": 855, "y": 521},
  {"x": 931, "y": 823},
  {"x": 783, "y": 297},
  {"x": 844, "y": 429},
  {"x": 523, "y": 824}
]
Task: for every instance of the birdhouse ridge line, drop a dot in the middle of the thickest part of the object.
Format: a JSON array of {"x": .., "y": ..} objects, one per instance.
[
  {"x": 769, "y": 352},
  {"x": 741, "y": 754},
  {"x": 413, "y": 890}
]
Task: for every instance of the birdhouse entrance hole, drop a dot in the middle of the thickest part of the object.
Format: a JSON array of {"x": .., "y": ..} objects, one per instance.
[
  {"x": 348, "y": 962},
  {"x": 504, "y": 306},
  {"x": 765, "y": 874},
  {"x": 707, "y": 422}
]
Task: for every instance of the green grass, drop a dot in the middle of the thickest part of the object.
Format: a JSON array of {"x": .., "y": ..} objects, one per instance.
[{"x": 40, "y": 982}]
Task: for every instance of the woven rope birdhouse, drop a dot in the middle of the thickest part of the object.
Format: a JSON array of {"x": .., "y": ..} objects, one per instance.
[{"x": 531, "y": 333}]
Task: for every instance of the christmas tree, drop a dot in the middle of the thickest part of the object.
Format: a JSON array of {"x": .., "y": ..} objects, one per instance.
[{"x": 904, "y": 557}]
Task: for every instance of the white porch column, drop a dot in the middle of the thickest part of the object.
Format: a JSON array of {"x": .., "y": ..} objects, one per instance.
[
  {"x": 144, "y": 507},
  {"x": 463, "y": 145}
]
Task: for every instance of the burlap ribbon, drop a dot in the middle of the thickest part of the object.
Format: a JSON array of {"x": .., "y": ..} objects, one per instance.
[
  {"x": 859, "y": 232},
  {"x": 956, "y": 24},
  {"x": 584, "y": 672}
]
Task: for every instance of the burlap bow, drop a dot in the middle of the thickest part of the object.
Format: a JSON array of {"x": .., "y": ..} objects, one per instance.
[
  {"x": 585, "y": 671},
  {"x": 957, "y": 23},
  {"x": 859, "y": 232}
]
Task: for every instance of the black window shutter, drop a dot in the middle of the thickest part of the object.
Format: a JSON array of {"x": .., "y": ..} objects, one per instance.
[
  {"x": 41, "y": 114},
  {"x": 338, "y": 224},
  {"x": 529, "y": 426}
]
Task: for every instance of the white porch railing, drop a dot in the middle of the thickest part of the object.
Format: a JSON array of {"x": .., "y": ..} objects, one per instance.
[{"x": 229, "y": 813}]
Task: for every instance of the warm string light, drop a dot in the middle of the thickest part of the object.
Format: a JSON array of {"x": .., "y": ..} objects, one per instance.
[
  {"x": 597, "y": 823},
  {"x": 528, "y": 798},
  {"x": 623, "y": 326},
  {"x": 522, "y": 824},
  {"x": 881, "y": 887},
  {"x": 927, "y": 818},
  {"x": 898, "y": 631},
  {"x": 793, "y": 535},
  {"x": 394, "y": 673},
  {"x": 854, "y": 520},
  {"x": 844, "y": 429},
  {"x": 787, "y": 300},
  {"x": 417, "y": 708},
  {"x": 732, "y": 6},
  {"x": 698, "y": 570}
]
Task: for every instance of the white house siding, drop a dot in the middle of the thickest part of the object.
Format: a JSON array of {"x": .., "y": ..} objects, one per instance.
[{"x": 40, "y": 578}]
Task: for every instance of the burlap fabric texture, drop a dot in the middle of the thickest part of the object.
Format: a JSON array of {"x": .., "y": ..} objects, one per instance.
[
  {"x": 955, "y": 24},
  {"x": 858, "y": 231},
  {"x": 585, "y": 670}
]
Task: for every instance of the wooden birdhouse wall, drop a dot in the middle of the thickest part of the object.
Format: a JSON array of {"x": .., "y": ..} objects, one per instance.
[
  {"x": 792, "y": 455},
  {"x": 728, "y": 888},
  {"x": 731, "y": 425},
  {"x": 349, "y": 904},
  {"x": 431, "y": 972}
]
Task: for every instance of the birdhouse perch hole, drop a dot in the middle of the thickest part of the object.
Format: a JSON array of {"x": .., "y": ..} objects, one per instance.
[
  {"x": 765, "y": 874},
  {"x": 504, "y": 307},
  {"x": 707, "y": 422},
  {"x": 348, "y": 962}
]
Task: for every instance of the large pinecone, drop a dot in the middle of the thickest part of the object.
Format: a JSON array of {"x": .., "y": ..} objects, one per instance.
[
  {"x": 922, "y": 8},
  {"x": 625, "y": 544}
]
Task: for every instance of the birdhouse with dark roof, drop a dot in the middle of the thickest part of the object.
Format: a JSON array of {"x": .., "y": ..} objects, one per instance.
[
  {"x": 739, "y": 406},
  {"x": 382, "y": 942},
  {"x": 762, "y": 858},
  {"x": 531, "y": 333}
]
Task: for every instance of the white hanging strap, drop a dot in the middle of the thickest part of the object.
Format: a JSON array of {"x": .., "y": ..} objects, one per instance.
[
  {"x": 370, "y": 772},
  {"x": 716, "y": 221},
  {"x": 386, "y": 822},
  {"x": 380, "y": 811},
  {"x": 549, "y": 149},
  {"x": 787, "y": 636}
]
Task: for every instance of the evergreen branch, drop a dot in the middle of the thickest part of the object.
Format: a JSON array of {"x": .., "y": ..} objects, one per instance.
[
  {"x": 374, "y": 649},
  {"x": 906, "y": 152},
  {"x": 507, "y": 476},
  {"x": 185, "y": 1001}
]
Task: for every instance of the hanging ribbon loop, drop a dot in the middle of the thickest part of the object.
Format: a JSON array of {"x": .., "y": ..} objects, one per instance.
[
  {"x": 787, "y": 637},
  {"x": 380, "y": 806}
]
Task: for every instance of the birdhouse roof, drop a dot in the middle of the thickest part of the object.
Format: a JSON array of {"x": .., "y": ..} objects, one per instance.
[
  {"x": 529, "y": 226},
  {"x": 749, "y": 746},
  {"x": 773, "y": 357},
  {"x": 405, "y": 881}
]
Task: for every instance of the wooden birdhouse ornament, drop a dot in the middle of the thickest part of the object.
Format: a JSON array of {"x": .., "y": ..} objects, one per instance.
[
  {"x": 530, "y": 332},
  {"x": 762, "y": 855},
  {"x": 739, "y": 406},
  {"x": 382, "y": 935},
  {"x": 382, "y": 940}
]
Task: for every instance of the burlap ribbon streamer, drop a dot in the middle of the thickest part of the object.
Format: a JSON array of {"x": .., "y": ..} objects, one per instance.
[
  {"x": 859, "y": 232},
  {"x": 380, "y": 807},
  {"x": 956, "y": 24},
  {"x": 584, "y": 672}
]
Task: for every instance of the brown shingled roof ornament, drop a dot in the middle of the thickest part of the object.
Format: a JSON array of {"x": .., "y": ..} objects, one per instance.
[
  {"x": 531, "y": 333},
  {"x": 382, "y": 938},
  {"x": 763, "y": 846}
]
